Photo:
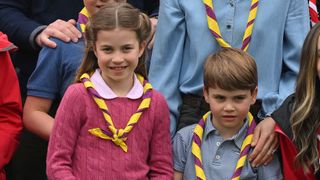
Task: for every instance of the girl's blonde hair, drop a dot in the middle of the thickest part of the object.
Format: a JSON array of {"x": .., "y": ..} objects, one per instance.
[
  {"x": 305, "y": 119},
  {"x": 110, "y": 17}
]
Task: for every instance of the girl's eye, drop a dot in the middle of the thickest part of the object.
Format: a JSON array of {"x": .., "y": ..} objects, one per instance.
[
  {"x": 127, "y": 48},
  {"x": 107, "y": 50}
]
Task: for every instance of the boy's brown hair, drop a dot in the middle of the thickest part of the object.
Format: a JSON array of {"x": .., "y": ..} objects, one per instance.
[{"x": 230, "y": 69}]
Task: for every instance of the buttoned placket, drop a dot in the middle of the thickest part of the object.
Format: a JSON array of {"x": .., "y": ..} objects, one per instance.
[{"x": 228, "y": 35}]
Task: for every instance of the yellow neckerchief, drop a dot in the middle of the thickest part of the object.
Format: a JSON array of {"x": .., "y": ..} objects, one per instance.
[
  {"x": 197, "y": 141},
  {"x": 117, "y": 136},
  {"x": 83, "y": 19}
]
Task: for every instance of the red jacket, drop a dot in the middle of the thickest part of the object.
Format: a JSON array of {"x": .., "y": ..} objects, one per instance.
[
  {"x": 288, "y": 153},
  {"x": 10, "y": 105}
]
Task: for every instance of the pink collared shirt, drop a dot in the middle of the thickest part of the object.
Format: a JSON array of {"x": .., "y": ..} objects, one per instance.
[{"x": 106, "y": 92}]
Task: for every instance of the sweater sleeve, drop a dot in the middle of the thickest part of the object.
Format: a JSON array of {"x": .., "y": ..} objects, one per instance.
[
  {"x": 10, "y": 109},
  {"x": 160, "y": 156},
  {"x": 64, "y": 134}
]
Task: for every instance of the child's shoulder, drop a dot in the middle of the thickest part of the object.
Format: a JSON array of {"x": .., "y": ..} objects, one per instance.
[
  {"x": 185, "y": 134},
  {"x": 76, "y": 89},
  {"x": 66, "y": 46},
  {"x": 156, "y": 95}
]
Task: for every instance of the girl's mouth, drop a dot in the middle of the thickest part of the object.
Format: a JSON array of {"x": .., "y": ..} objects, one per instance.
[{"x": 118, "y": 67}]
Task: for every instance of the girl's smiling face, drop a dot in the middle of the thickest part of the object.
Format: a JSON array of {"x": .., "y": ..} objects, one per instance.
[{"x": 118, "y": 53}]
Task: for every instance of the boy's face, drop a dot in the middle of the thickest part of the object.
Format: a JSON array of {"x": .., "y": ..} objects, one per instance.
[
  {"x": 94, "y": 5},
  {"x": 229, "y": 108}
]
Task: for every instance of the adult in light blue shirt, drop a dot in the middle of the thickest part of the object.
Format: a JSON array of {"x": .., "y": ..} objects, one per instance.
[{"x": 183, "y": 41}]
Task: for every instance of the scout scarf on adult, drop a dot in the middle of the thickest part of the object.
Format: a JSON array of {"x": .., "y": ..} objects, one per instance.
[
  {"x": 215, "y": 30},
  {"x": 117, "y": 136},
  {"x": 83, "y": 19},
  {"x": 196, "y": 147}
]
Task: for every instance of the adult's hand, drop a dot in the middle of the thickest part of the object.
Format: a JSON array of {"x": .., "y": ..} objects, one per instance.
[
  {"x": 63, "y": 30},
  {"x": 264, "y": 142}
]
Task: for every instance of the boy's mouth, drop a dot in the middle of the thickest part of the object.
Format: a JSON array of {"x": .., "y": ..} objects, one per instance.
[{"x": 229, "y": 116}]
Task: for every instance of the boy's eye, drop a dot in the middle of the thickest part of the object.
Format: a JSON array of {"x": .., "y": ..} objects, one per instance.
[
  {"x": 219, "y": 98},
  {"x": 239, "y": 98}
]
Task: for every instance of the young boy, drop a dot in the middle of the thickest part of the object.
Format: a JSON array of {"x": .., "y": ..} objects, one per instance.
[{"x": 211, "y": 149}]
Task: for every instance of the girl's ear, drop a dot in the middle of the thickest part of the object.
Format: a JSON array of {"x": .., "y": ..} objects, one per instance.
[
  {"x": 94, "y": 50},
  {"x": 142, "y": 47}
]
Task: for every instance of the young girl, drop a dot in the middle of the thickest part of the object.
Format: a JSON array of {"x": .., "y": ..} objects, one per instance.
[
  {"x": 298, "y": 117},
  {"x": 55, "y": 71},
  {"x": 112, "y": 124}
]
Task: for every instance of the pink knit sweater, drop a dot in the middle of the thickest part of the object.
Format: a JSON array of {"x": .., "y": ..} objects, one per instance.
[{"x": 73, "y": 153}]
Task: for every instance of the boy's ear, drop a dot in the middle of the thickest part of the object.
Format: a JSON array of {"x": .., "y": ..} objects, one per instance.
[
  {"x": 206, "y": 94},
  {"x": 142, "y": 47},
  {"x": 254, "y": 94}
]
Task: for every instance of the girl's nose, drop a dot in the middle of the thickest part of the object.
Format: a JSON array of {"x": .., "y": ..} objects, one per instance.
[{"x": 117, "y": 58}]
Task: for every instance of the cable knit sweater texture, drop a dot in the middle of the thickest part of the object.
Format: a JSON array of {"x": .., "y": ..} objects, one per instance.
[{"x": 73, "y": 153}]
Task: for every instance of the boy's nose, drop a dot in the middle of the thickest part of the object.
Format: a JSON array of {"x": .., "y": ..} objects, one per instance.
[{"x": 228, "y": 107}]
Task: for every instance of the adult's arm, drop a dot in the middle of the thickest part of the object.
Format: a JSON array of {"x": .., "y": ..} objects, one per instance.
[
  {"x": 296, "y": 28},
  {"x": 22, "y": 30},
  {"x": 167, "y": 55},
  {"x": 10, "y": 109},
  {"x": 14, "y": 21}
]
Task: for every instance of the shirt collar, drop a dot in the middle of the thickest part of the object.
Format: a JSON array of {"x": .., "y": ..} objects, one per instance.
[
  {"x": 237, "y": 138},
  {"x": 106, "y": 92}
]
